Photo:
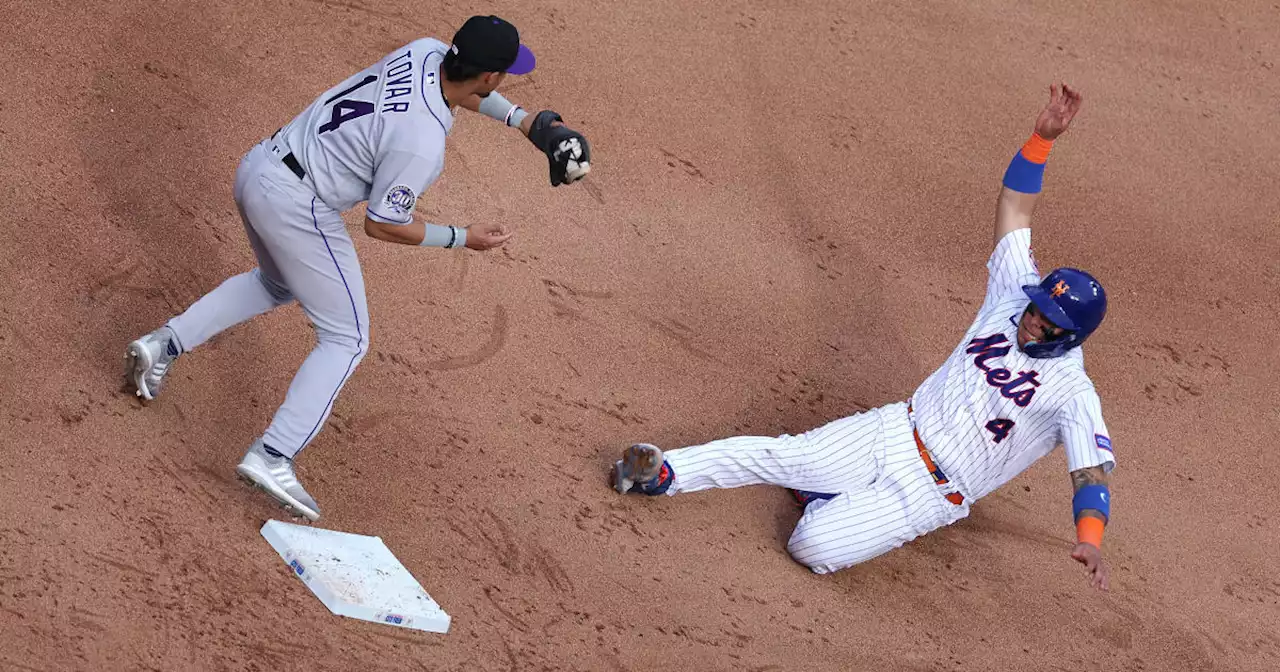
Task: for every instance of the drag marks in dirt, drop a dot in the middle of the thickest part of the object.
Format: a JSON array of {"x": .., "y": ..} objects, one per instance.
[
  {"x": 162, "y": 469},
  {"x": 605, "y": 521},
  {"x": 593, "y": 190},
  {"x": 574, "y": 303},
  {"x": 132, "y": 278},
  {"x": 827, "y": 253},
  {"x": 10, "y": 664},
  {"x": 1250, "y": 590},
  {"x": 175, "y": 83},
  {"x": 792, "y": 390},
  {"x": 516, "y": 554},
  {"x": 683, "y": 166},
  {"x": 517, "y": 569},
  {"x": 74, "y": 407},
  {"x": 614, "y": 410},
  {"x": 844, "y": 131},
  {"x": 568, "y": 301},
  {"x": 1182, "y": 375},
  {"x": 394, "y": 19},
  {"x": 497, "y": 338},
  {"x": 683, "y": 336}
]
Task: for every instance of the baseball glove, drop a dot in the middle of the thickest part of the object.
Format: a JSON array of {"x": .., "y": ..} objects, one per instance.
[{"x": 568, "y": 155}]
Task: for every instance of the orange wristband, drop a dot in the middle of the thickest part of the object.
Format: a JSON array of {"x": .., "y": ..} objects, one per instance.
[
  {"x": 1089, "y": 530},
  {"x": 1036, "y": 149}
]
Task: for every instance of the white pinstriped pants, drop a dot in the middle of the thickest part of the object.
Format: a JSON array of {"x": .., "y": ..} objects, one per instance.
[{"x": 886, "y": 495}]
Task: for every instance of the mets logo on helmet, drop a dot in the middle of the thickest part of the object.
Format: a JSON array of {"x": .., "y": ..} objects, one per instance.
[{"x": 1059, "y": 289}]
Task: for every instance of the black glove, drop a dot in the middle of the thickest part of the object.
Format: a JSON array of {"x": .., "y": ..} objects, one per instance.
[{"x": 567, "y": 151}]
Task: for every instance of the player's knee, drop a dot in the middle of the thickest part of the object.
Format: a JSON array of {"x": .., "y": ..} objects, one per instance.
[
  {"x": 277, "y": 290},
  {"x": 805, "y": 556},
  {"x": 802, "y": 549},
  {"x": 352, "y": 341}
]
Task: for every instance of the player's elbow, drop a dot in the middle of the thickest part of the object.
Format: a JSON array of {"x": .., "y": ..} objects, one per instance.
[
  {"x": 387, "y": 233},
  {"x": 374, "y": 229}
]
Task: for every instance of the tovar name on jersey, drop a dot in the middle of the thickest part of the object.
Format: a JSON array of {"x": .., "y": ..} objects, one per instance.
[{"x": 399, "y": 87}]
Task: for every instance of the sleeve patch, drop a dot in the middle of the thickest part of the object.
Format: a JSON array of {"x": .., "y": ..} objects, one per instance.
[
  {"x": 1104, "y": 443},
  {"x": 400, "y": 200}
]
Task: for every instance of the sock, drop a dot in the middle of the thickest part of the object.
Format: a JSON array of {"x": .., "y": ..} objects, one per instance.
[{"x": 658, "y": 484}]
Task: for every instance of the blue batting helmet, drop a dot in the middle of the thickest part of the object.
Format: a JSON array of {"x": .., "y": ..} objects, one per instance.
[{"x": 1074, "y": 301}]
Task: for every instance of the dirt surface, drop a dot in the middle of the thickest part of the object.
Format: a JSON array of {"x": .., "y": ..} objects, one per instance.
[{"x": 788, "y": 222}]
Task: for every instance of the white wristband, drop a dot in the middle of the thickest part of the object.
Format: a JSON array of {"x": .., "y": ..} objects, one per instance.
[
  {"x": 435, "y": 235},
  {"x": 495, "y": 106}
]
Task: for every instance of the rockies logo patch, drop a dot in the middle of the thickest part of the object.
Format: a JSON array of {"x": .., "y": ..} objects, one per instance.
[{"x": 401, "y": 199}]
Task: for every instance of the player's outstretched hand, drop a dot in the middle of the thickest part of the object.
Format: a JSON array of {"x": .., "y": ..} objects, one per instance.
[
  {"x": 1064, "y": 103},
  {"x": 1095, "y": 567},
  {"x": 568, "y": 154},
  {"x": 487, "y": 236}
]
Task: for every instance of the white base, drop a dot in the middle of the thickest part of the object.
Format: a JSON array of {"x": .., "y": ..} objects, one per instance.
[{"x": 355, "y": 576}]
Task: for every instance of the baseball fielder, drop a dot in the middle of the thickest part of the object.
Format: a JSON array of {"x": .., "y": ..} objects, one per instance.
[
  {"x": 376, "y": 137},
  {"x": 1011, "y": 391}
]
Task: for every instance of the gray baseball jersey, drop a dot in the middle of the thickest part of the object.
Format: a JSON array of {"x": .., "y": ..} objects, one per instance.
[{"x": 379, "y": 135}]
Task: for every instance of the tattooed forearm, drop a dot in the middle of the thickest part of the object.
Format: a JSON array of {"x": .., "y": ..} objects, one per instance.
[{"x": 1089, "y": 476}]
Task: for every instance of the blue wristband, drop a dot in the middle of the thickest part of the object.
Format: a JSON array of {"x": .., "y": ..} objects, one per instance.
[
  {"x": 1023, "y": 175},
  {"x": 1096, "y": 497}
]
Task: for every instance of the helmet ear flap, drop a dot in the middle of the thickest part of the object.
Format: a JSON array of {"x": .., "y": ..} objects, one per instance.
[{"x": 1073, "y": 300}]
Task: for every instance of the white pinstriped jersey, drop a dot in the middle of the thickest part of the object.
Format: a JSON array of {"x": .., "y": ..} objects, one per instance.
[
  {"x": 990, "y": 411},
  {"x": 379, "y": 135}
]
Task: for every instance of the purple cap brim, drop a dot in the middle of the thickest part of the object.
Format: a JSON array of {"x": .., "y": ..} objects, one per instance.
[{"x": 524, "y": 62}]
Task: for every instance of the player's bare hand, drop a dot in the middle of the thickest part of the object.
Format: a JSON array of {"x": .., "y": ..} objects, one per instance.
[
  {"x": 1064, "y": 103},
  {"x": 487, "y": 236},
  {"x": 1096, "y": 569}
]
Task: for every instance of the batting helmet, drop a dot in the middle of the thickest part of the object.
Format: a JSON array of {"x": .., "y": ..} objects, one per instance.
[{"x": 1074, "y": 301}]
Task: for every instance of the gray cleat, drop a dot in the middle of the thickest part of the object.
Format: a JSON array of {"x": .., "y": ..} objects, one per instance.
[
  {"x": 147, "y": 360},
  {"x": 641, "y": 465},
  {"x": 274, "y": 475}
]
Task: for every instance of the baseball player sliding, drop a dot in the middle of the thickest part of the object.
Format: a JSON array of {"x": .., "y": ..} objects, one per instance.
[
  {"x": 1011, "y": 391},
  {"x": 376, "y": 137}
]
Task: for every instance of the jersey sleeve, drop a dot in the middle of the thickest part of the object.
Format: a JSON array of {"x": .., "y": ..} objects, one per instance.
[
  {"x": 398, "y": 180},
  {"x": 1012, "y": 265},
  {"x": 1084, "y": 435}
]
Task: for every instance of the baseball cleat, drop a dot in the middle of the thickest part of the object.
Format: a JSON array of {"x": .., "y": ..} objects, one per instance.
[
  {"x": 275, "y": 476},
  {"x": 147, "y": 360},
  {"x": 642, "y": 469}
]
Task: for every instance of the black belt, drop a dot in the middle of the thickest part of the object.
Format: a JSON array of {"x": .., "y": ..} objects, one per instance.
[{"x": 290, "y": 160}]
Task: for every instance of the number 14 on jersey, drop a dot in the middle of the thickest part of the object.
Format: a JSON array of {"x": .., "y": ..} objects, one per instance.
[{"x": 346, "y": 109}]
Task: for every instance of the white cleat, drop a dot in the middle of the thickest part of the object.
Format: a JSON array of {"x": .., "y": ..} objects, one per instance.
[
  {"x": 147, "y": 360},
  {"x": 274, "y": 475}
]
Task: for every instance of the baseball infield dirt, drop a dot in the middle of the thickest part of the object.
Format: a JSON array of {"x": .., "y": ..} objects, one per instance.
[{"x": 787, "y": 221}]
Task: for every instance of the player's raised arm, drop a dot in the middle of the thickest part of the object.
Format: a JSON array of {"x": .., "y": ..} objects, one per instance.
[{"x": 1023, "y": 178}]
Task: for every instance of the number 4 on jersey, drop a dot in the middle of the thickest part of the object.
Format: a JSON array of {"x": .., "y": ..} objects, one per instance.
[
  {"x": 345, "y": 110},
  {"x": 1000, "y": 428}
]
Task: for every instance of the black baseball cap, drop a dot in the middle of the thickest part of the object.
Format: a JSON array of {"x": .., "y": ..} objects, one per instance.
[{"x": 492, "y": 44}]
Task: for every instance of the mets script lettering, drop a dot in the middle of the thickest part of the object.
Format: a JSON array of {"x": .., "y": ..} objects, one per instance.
[{"x": 994, "y": 347}]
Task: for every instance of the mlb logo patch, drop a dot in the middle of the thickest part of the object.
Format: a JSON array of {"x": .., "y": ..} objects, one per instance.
[{"x": 1104, "y": 443}]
